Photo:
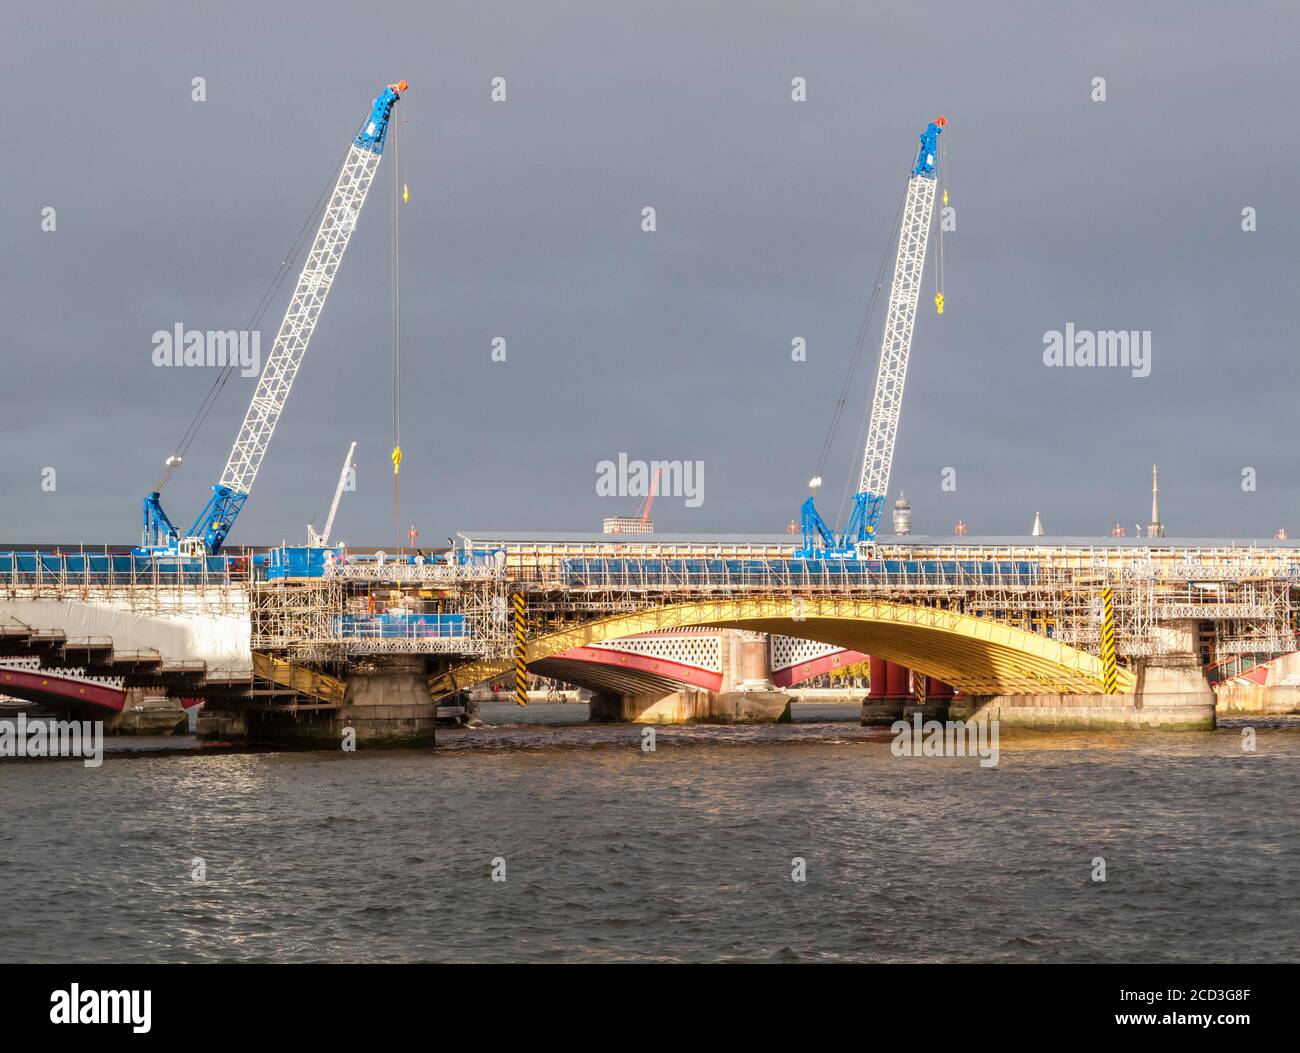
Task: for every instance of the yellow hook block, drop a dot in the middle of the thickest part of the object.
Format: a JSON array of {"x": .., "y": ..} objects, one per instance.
[
  {"x": 406, "y": 195},
  {"x": 938, "y": 302},
  {"x": 397, "y": 459}
]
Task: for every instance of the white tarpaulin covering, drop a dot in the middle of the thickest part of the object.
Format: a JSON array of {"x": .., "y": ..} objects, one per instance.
[{"x": 193, "y": 628}]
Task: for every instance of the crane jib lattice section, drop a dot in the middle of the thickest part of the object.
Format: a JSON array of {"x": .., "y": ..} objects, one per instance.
[
  {"x": 300, "y": 320},
  {"x": 899, "y": 323}
]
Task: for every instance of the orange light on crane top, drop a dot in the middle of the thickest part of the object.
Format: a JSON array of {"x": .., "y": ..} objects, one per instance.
[
  {"x": 940, "y": 121},
  {"x": 401, "y": 85}
]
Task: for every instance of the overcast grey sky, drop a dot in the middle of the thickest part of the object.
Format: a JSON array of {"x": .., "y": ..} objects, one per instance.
[{"x": 525, "y": 223}]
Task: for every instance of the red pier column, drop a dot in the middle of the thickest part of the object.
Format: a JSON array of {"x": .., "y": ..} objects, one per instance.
[
  {"x": 895, "y": 680},
  {"x": 884, "y": 704},
  {"x": 878, "y": 677}
]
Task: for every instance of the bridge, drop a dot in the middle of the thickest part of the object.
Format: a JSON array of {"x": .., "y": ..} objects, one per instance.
[
  {"x": 1012, "y": 627},
  {"x": 298, "y": 642},
  {"x": 673, "y": 627}
]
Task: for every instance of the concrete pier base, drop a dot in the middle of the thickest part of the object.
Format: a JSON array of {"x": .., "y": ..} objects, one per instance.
[
  {"x": 1086, "y": 712},
  {"x": 390, "y": 705},
  {"x": 375, "y": 727},
  {"x": 1171, "y": 696},
  {"x": 693, "y": 706},
  {"x": 933, "y": 709},
  {"x": 148, "y": 713},
  {"x": 386, "y": 706},
  {"x": 1257, "y": 701},
  {"x": 881, "y": 711},
  {"x": 222, "y": 725},
  {"x": 392, "y": 726}
]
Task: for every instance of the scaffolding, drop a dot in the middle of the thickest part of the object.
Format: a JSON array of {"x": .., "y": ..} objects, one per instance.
[
  {"x": 1246, "y": 598},
  {"x": 370, "y": 609},
  {"x": 1231, "y": 601}
]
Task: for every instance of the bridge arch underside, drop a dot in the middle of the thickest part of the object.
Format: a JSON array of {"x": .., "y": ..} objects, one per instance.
[
  {"x": 613, "y": 677},
  {"x": 82, "y": 699},
  {"x": 978, "y": 656}
]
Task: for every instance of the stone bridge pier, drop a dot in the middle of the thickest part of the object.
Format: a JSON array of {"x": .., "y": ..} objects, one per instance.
[
  {"x": 893, "y": 695},
  {"x": 1170, "y": 693},
  {"x": 384, "y": 702},
  {"x": 745, "y": 694}
]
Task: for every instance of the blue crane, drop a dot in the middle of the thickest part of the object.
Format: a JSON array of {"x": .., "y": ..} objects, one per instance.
[
  {"x": 214, "y": 523},
  {"x": 819, "y": 540}
]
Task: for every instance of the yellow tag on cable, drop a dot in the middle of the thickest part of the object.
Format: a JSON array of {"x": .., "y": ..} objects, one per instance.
[{"x": 397, "y": 459}]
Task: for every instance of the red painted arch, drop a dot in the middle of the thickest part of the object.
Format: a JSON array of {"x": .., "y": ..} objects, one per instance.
[
  {"x": 686, "y": 674},
  {"x": 47, "y": 687},
  {"x": 801, "y": 671}
]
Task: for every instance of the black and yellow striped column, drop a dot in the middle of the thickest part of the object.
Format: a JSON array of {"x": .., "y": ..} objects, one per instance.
[
  {"x": 918, "y": 686},
  {"x": 521, "y": 667},
  {"x": 1108, "y": 640}
]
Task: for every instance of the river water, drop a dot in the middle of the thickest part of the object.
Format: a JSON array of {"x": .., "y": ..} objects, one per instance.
[{"x": 681, "y": 854}]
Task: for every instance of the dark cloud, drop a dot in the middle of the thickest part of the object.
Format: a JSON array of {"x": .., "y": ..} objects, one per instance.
[{"x": 524, "y": 223}]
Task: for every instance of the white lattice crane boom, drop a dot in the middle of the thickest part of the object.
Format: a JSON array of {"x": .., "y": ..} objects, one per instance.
[
  {"x": 315, "y": 540},
  {"x": 904, "y": 297}
]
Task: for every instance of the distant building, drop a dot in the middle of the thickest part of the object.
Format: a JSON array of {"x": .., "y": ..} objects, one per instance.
[
  {"x": 628, "y": 525},
  {"x": 1038, "y": 530},
  {"x": 1155, "y": 528},
  {"x": 960, "y": 528},
  {"x": 1280, "y": 535},
  {"x": 902, "y": 515},
  {"x": 1117, "y": 531}
]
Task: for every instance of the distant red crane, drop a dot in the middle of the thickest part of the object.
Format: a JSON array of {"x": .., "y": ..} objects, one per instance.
[{"x": 650, "y": 498}]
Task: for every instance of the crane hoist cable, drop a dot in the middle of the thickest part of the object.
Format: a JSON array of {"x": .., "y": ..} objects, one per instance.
[
  {"x": 406, "y": 192},
  {"x": 938, "y": 269},
  {"x": 395, "y": 249}
]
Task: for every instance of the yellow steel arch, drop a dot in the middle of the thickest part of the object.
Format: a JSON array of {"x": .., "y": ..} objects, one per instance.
[{"x": 980, "y": 656}]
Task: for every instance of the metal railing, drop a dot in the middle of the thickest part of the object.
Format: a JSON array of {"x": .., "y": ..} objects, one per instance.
[
  {"x": 394, "y": 571},
  {"x": 69, "y": 570},
  {"x": 635, "y": 574}
]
